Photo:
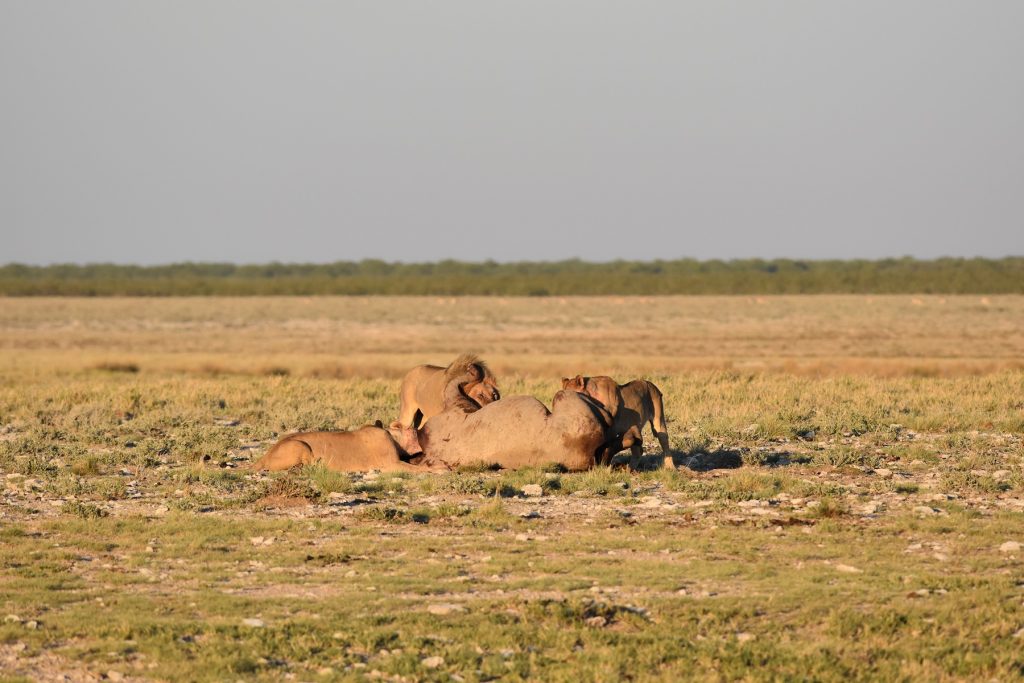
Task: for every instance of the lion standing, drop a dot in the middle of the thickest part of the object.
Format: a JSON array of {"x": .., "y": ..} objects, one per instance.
[
  {"x": 632, "y": 405},
  {"x": 423, "y": 392}
]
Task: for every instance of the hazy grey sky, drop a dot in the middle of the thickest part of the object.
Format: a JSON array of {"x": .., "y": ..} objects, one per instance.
[{"x": 248, "y": 131}]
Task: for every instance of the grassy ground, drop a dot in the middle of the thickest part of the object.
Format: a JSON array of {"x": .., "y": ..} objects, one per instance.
[{"x": 848, "y": 496}]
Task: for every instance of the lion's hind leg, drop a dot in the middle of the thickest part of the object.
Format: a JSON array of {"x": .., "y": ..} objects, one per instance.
[{"x": 285, "y": 455}]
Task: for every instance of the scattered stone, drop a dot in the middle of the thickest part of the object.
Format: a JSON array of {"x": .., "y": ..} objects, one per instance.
[
  {"x": 870, "y": 508},
  {"x": 255, "y": 623},
  {"x": 1000, "y": 475},
  {"x": 744, "y": 637},
  {"x": 883, "y": 473},
  {"x": 12, "y": 619},
  {"x": 442, "y": 609},
  {"x": 115, "y": 676},
  {"x": 532, "y": 514},
  {"x": 33, "y": 624},
  {"x": 533, "y": 490},
  {"x": 925, "y": 510},
  {"x": 596, "y": 622},
  {"x": 433, "y": 662},
  {"x": 919, "y": 593},
  {"x": 325, "y": 671},
  {"x": 847, "y": 569},
  {"x": 1009, "y": 547},
  {"x": 260, "y": 540}
]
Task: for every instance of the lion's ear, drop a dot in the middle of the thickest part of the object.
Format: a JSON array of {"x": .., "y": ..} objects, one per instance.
[
  {"x": 378, "y": 423},
  {"x": 394, "y": 425},
  {"x": 565, "y": 382}
]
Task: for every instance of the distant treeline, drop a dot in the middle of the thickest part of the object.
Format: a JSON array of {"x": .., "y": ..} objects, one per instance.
[{"x": 574, "y": 277}]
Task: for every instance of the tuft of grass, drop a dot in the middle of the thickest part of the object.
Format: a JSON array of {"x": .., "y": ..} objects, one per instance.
[
  {"x": 326, "y": 481},
  {"x": 493, "y": 515},
  {"x": 830, "y": 507},
  {"x": 387, "y": 513},
  {"x": 117, "y": 366},
  {"x": 82, "y": 510},
  {"x": 87, "y": 466}
]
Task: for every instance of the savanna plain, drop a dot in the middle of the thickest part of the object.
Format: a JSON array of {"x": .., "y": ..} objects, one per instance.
[{"x": 846, "y": 500}]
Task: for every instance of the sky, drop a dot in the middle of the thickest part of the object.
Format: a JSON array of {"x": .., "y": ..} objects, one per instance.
[{"x": 251, "y": 131}]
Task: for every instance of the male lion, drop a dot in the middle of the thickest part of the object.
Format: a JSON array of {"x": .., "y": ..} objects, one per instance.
[
  {"x": 631, "y": 405},
  {"x": 423, "y": 392},
  {"x": 368, "y": 448}
]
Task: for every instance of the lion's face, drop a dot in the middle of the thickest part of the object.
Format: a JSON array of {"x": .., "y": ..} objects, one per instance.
[
  {"x": 482, "y": 392},
  {"x": 407, "y": 438}
]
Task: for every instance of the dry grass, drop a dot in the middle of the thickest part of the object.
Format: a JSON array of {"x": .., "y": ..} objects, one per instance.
[
  {"x": 851, "y": 473},
  {"x": 339, "y": 337}
]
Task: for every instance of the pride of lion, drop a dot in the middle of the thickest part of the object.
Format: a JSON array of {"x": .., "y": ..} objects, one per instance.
[{"x": 455, "y": 416}]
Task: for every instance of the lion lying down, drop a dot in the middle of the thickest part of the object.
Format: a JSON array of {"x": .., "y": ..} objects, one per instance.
[{"x": 367, "y": 448}]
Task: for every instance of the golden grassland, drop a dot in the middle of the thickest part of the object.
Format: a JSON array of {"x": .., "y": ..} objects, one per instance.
[
  {"x": 382, "y": 336},
  {"x": 848, "y": 494}
]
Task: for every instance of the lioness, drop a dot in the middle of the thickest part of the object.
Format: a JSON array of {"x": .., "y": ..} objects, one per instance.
[
  {"x": 631, "y": 405},
  {"x": 423, "y": 388},
  {"x": 519, "y": 432},
  {"x": 367, "y": 448}
]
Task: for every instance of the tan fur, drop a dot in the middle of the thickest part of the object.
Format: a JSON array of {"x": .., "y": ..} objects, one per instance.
[
  {"x": 520, "y": 432},
  {"x": 426, "y": 389},
  {"x": 367, "y": 448},
  {"x": 632, "y": 405}
]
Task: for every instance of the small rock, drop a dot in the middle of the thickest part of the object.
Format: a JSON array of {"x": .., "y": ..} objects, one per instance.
[
  {"x": 255, "y": 623},
  {"x": 445, "y": 608},
  {"x": 744, "y": 637},
  {"x": 596, "y": 622},
  {"x": 532, "y": 514},
  {"x": 920, "y": 593},
  {"x": 325, "y": 670},
  {"x": 115, "y": 675},
  {"x": 433, "y": 662},
  {"x": 33, "y": 624},
  {"x": 883, "y": 473},
  {"x": 925, "y": 511},
  {"x": 1009, "y": 547},
  {"x": 12, "y": 619},
  {"x": 845, "y": 568},
  {"x": 533, "y": 490},
  {"x": 1000, "y": 475}
]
